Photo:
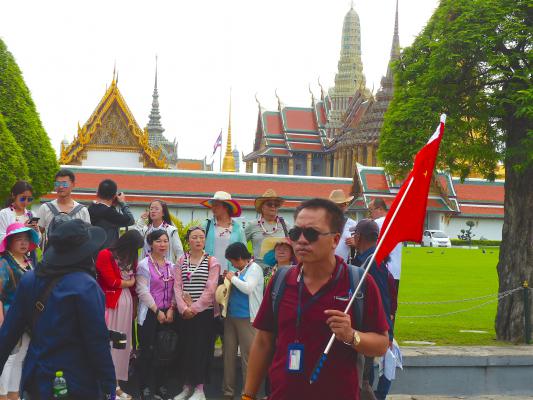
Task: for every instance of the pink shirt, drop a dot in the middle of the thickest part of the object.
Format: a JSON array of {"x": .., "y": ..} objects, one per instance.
[{"x": 207, "y": 299}]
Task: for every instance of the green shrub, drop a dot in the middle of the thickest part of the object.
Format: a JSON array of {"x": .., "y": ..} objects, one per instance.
[
  {"x": 24, "y": 123},
  {"x": 13, "y": 166},
  {"x": 460, "y": 242}
]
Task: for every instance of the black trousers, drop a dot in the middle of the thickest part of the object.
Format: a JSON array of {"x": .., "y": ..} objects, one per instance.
[
  {"x": 151, "y": 375},
  {"x": 196, "y": 341}
]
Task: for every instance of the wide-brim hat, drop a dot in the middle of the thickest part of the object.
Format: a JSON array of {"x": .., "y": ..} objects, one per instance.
[
  {"x": 72, "y": 242},
  {"x": 224, "y": 197},
  {"x": 222, "y": 295},
  {"x": 269, "y": 194},
  {"x": 338, "y": 196},
  {"x": 270, "y": 243},
  {"x": 17, "y": 227}
]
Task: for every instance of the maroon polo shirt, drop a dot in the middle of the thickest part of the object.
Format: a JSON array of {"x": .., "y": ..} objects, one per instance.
[{"x": 338, "y": 379}]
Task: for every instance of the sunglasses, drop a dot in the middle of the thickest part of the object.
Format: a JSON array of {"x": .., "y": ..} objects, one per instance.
[
  {"x": 61, "y": 184},
  {"x": 310, "y": 234},
  {"x": 24, "y": 199},
  {"x": 272, "y": 204}
]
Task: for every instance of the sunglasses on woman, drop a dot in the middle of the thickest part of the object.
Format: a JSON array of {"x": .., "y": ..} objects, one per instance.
[
  {"x": 310, "y": 234},
  {"x": 24, "y": 199}
]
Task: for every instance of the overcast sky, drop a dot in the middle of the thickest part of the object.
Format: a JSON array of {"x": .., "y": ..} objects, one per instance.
[{"x": 67, "y": 50}]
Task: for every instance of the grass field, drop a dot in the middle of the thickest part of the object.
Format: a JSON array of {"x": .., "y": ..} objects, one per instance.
[{"x": 430, "y": 274}]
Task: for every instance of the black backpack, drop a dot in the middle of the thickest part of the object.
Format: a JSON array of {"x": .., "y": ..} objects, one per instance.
[{"x": 165, "y": 347}]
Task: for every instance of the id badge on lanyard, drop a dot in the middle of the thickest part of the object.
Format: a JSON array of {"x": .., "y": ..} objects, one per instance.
[
  {"x": 296, "y": 350},
  {"x": 295, "y": 357}
]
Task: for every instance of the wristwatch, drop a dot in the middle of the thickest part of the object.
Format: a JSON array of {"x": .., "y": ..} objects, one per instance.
[{"x": 355, "y": 340}]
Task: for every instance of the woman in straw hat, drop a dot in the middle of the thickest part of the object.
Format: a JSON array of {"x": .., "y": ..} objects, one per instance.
[
  {"x": 17, "y": 242},
  {"x": 269, "y": 224},
  {"x": 194, "y": 287},
  {"x": 222, "y": 230}
]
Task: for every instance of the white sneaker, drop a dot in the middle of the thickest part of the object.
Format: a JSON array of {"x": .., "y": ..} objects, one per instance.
[
  {"x": 198, "y": 395},
  {"x": 184, "y": 395}
]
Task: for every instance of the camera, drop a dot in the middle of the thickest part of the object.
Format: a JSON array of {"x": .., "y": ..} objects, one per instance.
[{"x": 118, "y": 339}]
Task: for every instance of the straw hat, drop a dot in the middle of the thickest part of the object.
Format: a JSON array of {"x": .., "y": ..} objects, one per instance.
[
  {"x": 222, "y": 295},
  {"x": 17, "y": 227},
  {"x": 270, "y": 243},
  {"x": 338, "y": 196},
  {"x": 225, "y": 198},
  {"x": 269, "y": 194}
]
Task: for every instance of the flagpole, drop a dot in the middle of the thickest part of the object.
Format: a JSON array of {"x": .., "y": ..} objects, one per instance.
[{"x": 322, "y": 359}]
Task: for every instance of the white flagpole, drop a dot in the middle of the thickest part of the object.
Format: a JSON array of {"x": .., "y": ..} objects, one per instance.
[{"x": 315, "y": 372}]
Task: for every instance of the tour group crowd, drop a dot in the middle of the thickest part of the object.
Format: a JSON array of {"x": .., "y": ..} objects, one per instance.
[{"x": 87, "y": 291}]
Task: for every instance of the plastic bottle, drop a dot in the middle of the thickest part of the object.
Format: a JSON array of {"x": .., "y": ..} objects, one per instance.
[{"x": 60, "y": 390}]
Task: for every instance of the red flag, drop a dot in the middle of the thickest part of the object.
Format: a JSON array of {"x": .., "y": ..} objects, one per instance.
[{"x": 405, "y": 219}]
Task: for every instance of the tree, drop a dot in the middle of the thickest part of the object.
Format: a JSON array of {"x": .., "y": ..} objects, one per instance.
[
  {"x": 473, "y": 61},
  {"x": 13, "y": 166},
  {"x": 466, "y": 234},
  {"x": 22, "y": 120}
]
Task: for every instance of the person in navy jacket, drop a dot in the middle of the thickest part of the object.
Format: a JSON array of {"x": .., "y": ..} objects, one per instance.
[{"x": 70, "y": 335}]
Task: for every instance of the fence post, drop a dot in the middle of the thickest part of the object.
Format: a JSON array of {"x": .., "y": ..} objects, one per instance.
[{"x": 527, "y": 313}]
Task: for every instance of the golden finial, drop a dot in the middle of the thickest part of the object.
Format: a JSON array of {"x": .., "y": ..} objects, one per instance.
[
  {"x": 312, "y": 96},
  {"x": 228, "y": 165}
]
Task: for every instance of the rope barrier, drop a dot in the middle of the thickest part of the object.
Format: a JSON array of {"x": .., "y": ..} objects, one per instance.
[
  {"x": 500, "y": 296},
  {"x": 459, "y": 300}
]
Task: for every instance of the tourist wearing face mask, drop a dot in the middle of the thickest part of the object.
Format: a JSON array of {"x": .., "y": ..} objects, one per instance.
[{"x": 158, "y": 217}]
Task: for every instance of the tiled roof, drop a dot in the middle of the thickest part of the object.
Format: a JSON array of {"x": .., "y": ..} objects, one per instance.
[
  {"x": 293, "y": 129},
  {"x": 190, "y": 187},
  {"x": 474, "y": 198}
]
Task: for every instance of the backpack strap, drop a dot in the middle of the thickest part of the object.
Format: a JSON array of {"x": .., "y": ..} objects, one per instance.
[
  {"x": 53, "y": 209},
  {"x": 40, "y": 303},
  {"x": 279, "y": 281},
  {"x": 284, "y": 226},
  {"x": 75, "y": 210},
  {"x": 356, "y": 273}
]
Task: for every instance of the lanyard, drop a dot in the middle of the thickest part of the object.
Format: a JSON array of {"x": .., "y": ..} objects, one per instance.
[{"x": 314, "y": 298}]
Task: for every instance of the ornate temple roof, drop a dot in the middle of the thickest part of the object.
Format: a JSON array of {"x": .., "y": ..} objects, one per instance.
[
  {"x": 475, "y": 198},
  {"x": 112, "y": 127},
  {"x": 367, "y": 129},
  {"x": 290, "y": 129}
]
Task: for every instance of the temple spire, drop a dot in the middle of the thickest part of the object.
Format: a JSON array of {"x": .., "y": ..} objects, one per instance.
[
  {"x": 154, "y": 126},
  {"x": 395, "y": 48},
  {"x": 228, "y": 165}
]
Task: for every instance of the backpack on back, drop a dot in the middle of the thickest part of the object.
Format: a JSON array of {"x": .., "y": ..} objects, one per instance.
[{"x": 59, "y": 216}]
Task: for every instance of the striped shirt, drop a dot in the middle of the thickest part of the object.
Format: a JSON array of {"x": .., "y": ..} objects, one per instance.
[{"x": 194, "y": 277}]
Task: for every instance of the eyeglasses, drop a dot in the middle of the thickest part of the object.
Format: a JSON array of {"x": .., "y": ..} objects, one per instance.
[
  {"x": 272, "y": 204},
  {"x": 25, "y": 198},
  {"x": 310, "y": 234},
  {"x": 61, "y": 184}
]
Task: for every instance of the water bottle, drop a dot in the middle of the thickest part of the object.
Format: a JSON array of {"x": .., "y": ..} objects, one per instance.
[{"x": 60, "y": 386}]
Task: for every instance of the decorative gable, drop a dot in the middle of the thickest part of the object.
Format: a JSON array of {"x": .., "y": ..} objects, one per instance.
[{"x": 112, "y": 127}]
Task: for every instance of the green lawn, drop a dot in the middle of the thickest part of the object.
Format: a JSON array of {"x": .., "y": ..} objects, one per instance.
[{"x": 430, "y": 274}]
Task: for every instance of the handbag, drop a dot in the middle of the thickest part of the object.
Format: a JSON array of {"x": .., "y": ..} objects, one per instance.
[{"x": 165, "y": 347}]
